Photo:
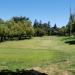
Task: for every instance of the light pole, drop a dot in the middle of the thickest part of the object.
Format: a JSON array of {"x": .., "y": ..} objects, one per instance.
[{"x": 70, "y": 18}]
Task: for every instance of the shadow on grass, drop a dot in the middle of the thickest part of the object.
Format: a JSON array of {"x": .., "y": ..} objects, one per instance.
[
  {"x": 70, "y": 42},
  {"x": 21, "y": 72}
]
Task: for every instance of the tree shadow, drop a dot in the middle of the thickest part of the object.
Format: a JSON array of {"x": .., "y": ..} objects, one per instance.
[
  {"x": 70, "y": 42},
  {"x": 21, "y": 72}
]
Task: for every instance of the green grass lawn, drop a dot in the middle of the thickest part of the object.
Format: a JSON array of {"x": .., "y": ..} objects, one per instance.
[{"x": 37, "y": 52}]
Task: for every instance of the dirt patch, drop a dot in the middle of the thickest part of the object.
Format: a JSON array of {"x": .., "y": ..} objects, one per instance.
[{"x": 53, "y": 69}]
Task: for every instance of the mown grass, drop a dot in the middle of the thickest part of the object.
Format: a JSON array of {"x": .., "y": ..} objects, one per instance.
[{"x": 39, "y": 51}]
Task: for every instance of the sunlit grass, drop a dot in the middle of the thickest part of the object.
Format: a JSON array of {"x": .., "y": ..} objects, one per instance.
[{"x": 38, "y": 51}]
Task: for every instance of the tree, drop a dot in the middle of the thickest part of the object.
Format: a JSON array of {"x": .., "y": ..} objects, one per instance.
[
  {"x": 23, "y": 27},
  {"x": 41, "y": 29},
  {"x": 62, "y": 31},
  {"x": 55, "y": 30},
  {"x": 55, "y": 26},
  {"x": 71, "y": 26},
  {"x": 3, "y": 30},
  {"x": 35, "y": 24},
  {"x": 49, "y": 28},
  {"x": 16, "y": 28}
]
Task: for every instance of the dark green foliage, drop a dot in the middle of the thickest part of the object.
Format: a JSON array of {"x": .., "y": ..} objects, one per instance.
[
  {"x": 70, "y": 28},
  {"x": 41, "y": 29},
  {"x": 55, "y": 30},
  {"x": 62, "y": 31}
]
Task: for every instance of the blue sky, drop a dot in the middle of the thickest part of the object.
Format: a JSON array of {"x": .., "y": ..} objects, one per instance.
[{"x": 55, "y": 11}]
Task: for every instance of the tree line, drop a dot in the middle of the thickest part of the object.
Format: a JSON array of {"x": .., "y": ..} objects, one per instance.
[
  {"x": 15, "y": 28},
  {"x": 41, "y": 29},
  {"x": 22, "y": 28}
]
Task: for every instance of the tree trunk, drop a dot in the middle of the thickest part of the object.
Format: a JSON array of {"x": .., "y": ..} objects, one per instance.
[{"x": 1, "y": 39}]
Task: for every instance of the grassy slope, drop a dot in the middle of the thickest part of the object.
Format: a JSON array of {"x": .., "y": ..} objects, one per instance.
[{"x": 37, "y": 52}]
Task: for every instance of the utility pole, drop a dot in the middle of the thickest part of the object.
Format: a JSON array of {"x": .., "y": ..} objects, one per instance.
[{"x": 70, "y": 19}]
